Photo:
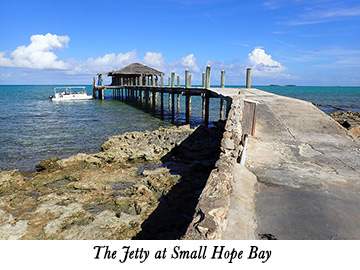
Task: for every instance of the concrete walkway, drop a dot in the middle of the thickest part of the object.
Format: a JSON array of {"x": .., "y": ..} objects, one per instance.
[{"x": 308, "y": 174}]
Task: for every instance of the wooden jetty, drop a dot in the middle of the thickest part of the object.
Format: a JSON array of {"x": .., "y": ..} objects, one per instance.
[{"x": 145, "y": 86}]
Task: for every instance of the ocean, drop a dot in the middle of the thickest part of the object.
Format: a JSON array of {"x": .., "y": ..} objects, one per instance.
[{"x": 33, "y": 128}]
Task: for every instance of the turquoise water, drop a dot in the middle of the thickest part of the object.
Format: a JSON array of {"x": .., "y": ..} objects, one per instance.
[
  {"x": 347, "y": 98},
  {"x": 32, "y": 128}
]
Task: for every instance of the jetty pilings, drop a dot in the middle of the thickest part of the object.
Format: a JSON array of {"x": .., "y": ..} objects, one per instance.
[
  {"x": 248, "y": 78},
  {"x": 147, "y": 91}
]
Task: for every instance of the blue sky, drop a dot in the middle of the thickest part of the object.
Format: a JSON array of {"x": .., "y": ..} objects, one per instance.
[{"x": 298, "y": 42}]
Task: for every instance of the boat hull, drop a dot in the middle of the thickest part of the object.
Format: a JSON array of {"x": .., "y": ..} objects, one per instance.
[{"x": 71, "y": 97}]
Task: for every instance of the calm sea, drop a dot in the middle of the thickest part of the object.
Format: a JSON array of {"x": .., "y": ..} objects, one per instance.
[{"x": 33, "y": 128}]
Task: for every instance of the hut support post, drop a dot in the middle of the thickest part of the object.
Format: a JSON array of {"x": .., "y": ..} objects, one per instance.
[
  {"x": 141, "y": 97},
  {"x": 146, "y": 98},
  {"x": 153, "y": 100}
]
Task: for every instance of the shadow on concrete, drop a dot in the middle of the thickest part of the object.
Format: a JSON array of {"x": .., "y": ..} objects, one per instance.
[{"x": 193, "y": 160}]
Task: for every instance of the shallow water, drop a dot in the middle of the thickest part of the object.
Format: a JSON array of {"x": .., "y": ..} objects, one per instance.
[{"x": 32, "y": 128}]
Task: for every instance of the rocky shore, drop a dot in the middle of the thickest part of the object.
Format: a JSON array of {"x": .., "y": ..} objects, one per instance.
[
  {"x": 349, "y": 120},
  {"x": 142, "y": 185}
]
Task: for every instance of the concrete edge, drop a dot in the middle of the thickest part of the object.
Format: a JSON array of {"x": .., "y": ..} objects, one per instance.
[{"x": 210, "y": 218}]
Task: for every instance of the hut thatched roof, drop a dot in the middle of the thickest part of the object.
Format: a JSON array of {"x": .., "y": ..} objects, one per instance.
[{"x": 136, "y": 69}]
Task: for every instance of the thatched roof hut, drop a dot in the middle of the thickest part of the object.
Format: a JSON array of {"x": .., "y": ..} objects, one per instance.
[{"x": 135, "y": 74}]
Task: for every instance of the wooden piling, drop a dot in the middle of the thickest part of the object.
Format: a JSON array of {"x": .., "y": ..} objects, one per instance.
[
  {"x": 178, "y": 96},
  {"x": 221, "y": 109},
  {"x": 187, "y": 108},
  {"x": 146, "y": 99},
  {"x": 162, "y": 102},
  {"x": 169, "y": 104},
  {"x": 203, "y": 106},
  {"x": 207, "y": 108},
  {"x": 207, "y": 75},
  {"x": 187, "y": 96},
  {"x": 94, "y": 89},
  {"x": 153, "y": 100},
  {"x": 172, "y": 79},
  {"x": 248, "y": 78},
  {"x": 222, "y": 85},
  {"x": 172, "y": 107},
  {"x": 178, "y": 102},
  {"x": 187, "y": 78}
]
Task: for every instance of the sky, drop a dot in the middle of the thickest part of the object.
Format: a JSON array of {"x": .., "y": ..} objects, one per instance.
[{"x": 301, "y": 42}]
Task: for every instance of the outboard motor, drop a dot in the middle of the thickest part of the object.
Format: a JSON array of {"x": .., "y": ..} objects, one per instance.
[{"x": 51, "y": 97}]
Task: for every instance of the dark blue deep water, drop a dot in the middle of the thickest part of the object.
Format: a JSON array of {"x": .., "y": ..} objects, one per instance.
[{"x": 32, "y": 128}]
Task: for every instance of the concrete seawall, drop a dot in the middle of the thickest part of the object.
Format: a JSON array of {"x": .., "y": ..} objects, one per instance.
[{"x": 211, "y": 219}]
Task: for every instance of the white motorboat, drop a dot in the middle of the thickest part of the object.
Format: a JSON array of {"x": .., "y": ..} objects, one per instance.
[{"x": 70, "y": 93}]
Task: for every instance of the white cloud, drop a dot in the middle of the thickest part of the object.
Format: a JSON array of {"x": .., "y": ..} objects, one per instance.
[
  {"x": 188, "y": 62},
  {"x": 101, "y": 64},
  {"x": 155, "y": 60},
  {"x": 262, "y": 64},
  {"x": 38, "y": 55},
  {"x": 105, "y": 63}
]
